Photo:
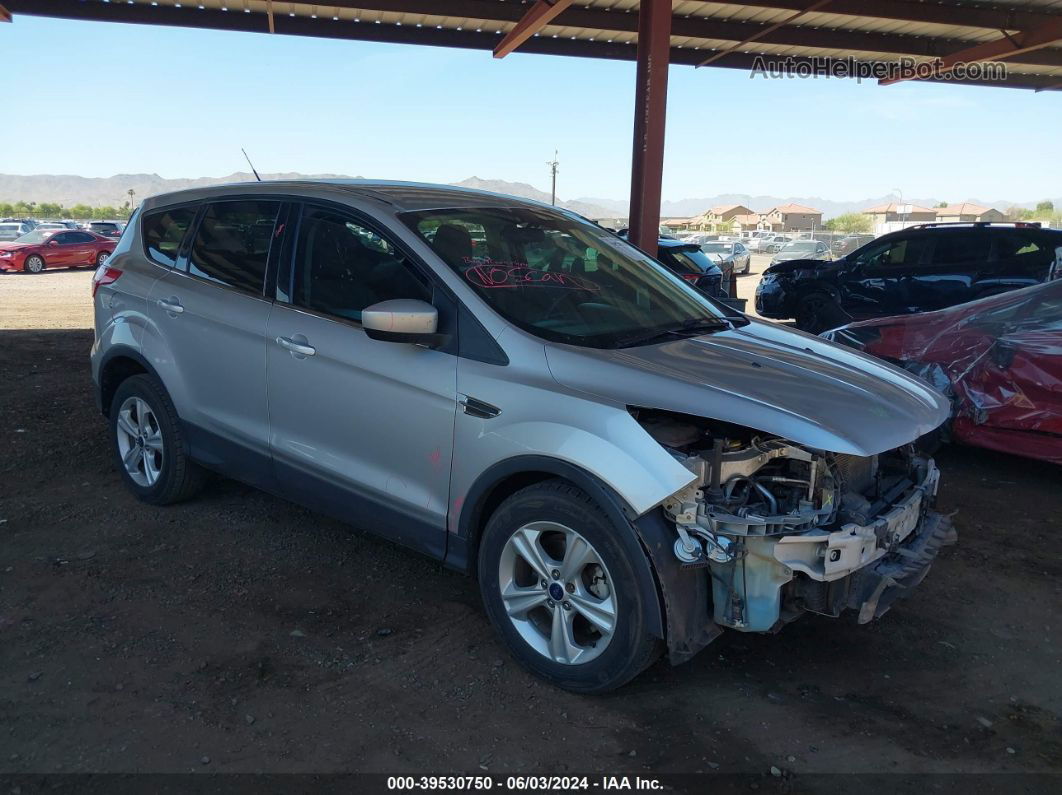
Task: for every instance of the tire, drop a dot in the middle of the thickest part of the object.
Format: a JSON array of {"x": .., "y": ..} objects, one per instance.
[
  {"x": 102, "y": 257},
  {"x": 34, "y": 263},
  {"x": 819, "y": 311},
  {"x": 159, "y": 471},
  {"x": 536, "y": 518}
]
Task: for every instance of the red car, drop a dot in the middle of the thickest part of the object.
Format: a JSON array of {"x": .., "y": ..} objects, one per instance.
[
  {"x": 999, "y": 359},
  {"x": 55, "y": 248}
]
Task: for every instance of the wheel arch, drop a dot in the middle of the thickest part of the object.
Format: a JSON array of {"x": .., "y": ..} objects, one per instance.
[
  {"x": 26, "y": 259},
  {"x": 507, "y": 477},
  {"x": 119, "y": 364}
]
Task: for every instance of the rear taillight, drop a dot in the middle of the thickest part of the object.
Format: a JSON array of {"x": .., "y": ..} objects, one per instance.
[
  {"x": 104, "y": 275},
  {"x": 691, "y": 277}
]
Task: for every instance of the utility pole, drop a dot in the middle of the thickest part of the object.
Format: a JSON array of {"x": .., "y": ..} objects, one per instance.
[{"x": 553, "y": 172}]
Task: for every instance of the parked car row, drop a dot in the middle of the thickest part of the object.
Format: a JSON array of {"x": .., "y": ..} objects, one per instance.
[
  {"x": 13, "y": 228},
  {"x": 60, "y": 247}
]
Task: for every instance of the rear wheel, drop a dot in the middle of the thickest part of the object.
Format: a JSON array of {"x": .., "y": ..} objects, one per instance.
[
  {"x": 34, "y": 263},
  {"x": 148, "y": 445},
  {"x": 102, "y": 257},
  {"x": 561, "y": 590}
]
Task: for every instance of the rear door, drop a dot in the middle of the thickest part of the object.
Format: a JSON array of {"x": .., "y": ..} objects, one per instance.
[
  {"x": 359, "y": 428},
  {"x": 83, "y": 251},
  {"x": 210, "y": 314}
]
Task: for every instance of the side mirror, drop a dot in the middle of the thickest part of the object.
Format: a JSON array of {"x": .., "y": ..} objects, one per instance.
[
  {"x": 403, "y": 320},
  {"x": 53, "y": 242}
]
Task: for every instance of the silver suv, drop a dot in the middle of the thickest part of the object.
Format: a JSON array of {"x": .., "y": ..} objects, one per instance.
[{"x": 625, "y": 465}]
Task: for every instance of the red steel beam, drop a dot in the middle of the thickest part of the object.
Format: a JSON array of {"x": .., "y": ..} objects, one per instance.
[
  {"x": 650, "y": 108},
  {"x": 537, "y": 17},
  {"x": 998, "y": 49},
  {"x": 5, "y": 15},
  {"x": 761, "y": 33}
]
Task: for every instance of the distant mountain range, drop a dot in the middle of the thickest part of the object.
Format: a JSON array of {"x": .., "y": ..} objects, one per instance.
[{"x": 113, "y": 191}]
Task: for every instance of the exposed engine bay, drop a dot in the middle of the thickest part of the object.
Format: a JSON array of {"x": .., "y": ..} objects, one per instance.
[{"x": 782, "y": 529}]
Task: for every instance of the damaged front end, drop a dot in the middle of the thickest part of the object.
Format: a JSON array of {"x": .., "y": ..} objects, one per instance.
[{"x": 782, "y": 529}]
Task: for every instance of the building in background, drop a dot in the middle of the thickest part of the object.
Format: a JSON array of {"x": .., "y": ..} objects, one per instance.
[
  {"x": 967, "y": 213},
  {"x": 883, "y": 213},
  {"x": 791, "y": 218}
]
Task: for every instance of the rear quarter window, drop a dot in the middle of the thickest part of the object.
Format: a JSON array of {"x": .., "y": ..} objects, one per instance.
[{"x": 163, "y": 231}]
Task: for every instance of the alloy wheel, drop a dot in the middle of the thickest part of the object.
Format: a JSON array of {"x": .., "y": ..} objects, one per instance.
[
  {"x": 557, "y": 592},
  {"x": 140, "y": 441}
]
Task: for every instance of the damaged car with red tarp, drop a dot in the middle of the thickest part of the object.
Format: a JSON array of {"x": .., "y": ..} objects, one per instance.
[{"x": 999, "y": 359}]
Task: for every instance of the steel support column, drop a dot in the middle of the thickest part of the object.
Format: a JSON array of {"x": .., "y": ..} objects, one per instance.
[{"x": 650, "y": 108}]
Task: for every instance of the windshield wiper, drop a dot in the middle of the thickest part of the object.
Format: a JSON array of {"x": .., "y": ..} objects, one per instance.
[{"x": 694, "y": 325}]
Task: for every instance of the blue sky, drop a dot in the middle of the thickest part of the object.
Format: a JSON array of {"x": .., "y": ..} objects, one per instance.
[{"x": 101, "y": 99}]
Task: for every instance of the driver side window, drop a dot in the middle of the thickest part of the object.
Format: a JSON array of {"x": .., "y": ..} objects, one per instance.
[
  {"x": 342, "y": 267},
  {"x": 892, "y": 254}
]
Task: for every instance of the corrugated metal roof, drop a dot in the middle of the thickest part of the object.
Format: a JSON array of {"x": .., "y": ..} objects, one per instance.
[{"x": 734, "y": 34}]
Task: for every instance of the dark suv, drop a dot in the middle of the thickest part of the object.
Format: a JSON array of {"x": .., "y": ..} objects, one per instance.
[{"x": 919, "y": 269}]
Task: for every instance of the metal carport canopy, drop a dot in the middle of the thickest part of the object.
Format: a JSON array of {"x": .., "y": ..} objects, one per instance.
[{"x": 805, "y": 34}]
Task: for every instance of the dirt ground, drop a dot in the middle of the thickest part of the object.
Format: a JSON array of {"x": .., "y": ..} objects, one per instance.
[{"x": 239, "y": 633}]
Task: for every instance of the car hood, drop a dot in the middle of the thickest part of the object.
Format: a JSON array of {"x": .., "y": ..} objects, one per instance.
[
  {"x": 764, "y": 377},
  {"x": 15, "y": 246}
]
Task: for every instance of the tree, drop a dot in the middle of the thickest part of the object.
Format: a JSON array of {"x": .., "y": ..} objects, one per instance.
[
  {"x": 1045, "y": 208},
  {"x": 938, "y": 205},
  {"x": 80, "y": 211},
  {"x": 849, "y": 222},
  {"x": 1017, "y": 214}
]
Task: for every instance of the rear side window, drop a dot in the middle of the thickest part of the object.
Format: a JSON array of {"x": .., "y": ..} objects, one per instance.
[
  {"x": 79, "y": 237},
  {"x": 1023, "y": 249},
  {"x": 163, "y": 232},
  {"x": 691, "y": 260},
  {"x": 231, "y": 245},
  {"x": 955, "y": 248}
]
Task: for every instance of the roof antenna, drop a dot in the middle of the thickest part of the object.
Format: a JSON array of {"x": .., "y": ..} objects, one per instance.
[{"x": 250, "y": 164}]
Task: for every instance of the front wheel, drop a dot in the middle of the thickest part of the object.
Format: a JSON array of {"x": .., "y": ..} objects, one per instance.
[
  {"x": 562, "y": 591},
  {"x": 817, "y": 312},
  {"x": 34, "y": 263}
]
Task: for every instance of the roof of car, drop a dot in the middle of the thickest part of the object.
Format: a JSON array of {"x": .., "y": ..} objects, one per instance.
[{"x": 402, "y": 196}]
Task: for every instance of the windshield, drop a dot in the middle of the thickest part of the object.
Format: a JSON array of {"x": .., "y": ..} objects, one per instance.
[
  {"x": 36, "y": 236},
  {"x": 717, "y": 248},
  {"x": 563, "y": 279},
  {"x": 801, "y": 245}
]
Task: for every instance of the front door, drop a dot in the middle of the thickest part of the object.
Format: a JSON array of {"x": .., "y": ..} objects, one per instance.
[
  {"x": 61, "y": 250},
  {"x": 880, "y": 279},
  {"x": 359, "y": 428}
]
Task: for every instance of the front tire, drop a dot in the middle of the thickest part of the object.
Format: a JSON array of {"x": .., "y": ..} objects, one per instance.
[
  {"x": 148, "y": 446},
  {"x": 819, "y": 311},
  {"x": 34, "y": 263},
  {"x": 561, "y": 590}
]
